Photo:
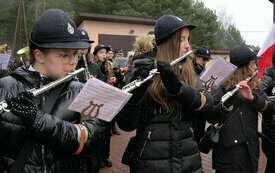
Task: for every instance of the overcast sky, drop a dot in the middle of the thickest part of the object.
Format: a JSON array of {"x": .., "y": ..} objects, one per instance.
[{"x": 253, "y": 18}]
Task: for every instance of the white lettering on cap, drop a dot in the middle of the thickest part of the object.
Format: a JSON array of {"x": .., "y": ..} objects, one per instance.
[
  {"x": 251, "y": 49},
  {"x": 83, "y": 33},
  {"x": 178, "y": 18},
  {"x": 70, "y": 29},
  {"x": 207, "y": 51}
]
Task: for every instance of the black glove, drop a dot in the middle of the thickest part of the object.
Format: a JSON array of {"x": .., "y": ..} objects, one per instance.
[
  {"x": 23, "y": 106},
  {"x": 141, "y": 72},
  {"x": 169, "y": 77}
]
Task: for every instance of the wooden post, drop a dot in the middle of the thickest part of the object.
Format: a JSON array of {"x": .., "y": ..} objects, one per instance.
[
  {"x": 35, "y": 10},
  {"x": 44, "y": 5}
]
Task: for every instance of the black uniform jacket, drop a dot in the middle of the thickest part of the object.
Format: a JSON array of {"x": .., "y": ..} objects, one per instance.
[
  {"x": 164, "y": 144},
  {"x": 55, "y": 136},
  {"x": 238, "y": 147},
  {"x": 268, "y": 123}
]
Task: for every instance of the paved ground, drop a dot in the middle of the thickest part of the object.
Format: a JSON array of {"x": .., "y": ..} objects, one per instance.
[{"x": 119, "y": 143}]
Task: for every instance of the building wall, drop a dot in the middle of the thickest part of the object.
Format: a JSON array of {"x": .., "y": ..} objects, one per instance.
[
  {"x": 94, "y": 28},
  {"x": 216, "y": 55}
]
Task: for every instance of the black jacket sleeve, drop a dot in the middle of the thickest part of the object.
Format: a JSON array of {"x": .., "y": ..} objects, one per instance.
[
  {"x": 131, "y": 115},
  {"x": 64, "y": 136},
  {"x": 194, "y": 99}
]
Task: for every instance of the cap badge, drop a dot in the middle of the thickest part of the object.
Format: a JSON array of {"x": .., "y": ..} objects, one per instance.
[
  {"x": 70, "y": 29},
  {"x": 83, "y": 33},
  {"x": 207, "y": 51}
]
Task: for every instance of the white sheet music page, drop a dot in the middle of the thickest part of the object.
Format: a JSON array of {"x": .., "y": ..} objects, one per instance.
[
  {"x": 4, "y": 61},
  {"x": 100, "y": 100},
  {"x": 218, "y": 71},
  {"x": 120, "y": 62}
]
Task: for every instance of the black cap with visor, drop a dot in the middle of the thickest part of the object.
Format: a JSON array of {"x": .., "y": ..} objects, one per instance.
[{"x": 55, "y": 30}]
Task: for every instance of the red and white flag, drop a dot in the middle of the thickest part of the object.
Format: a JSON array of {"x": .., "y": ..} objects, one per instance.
[{"x": 266, "y": 52}]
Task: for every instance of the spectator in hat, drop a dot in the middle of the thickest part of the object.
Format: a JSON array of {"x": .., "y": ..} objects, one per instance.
[
  {"x": 119, "y": 53},
  {"x": 161, "y": 110},
  {"x": 92, "y": 161},
  {"x": 4, "y": 72},
  {"x": 40, "y": 134},
  {"x": 238, "y": 147},
  {"x": 85, "y": 58},
  {"x": 268, "y": 122},
  {"x": 100, "y": 52},
  {"x": 8, "y": 50},
  {"x": 106, "y": 68},
  {"x": 110, "y": 54},
  {"x": 202, "y": 56},
  {"x": 120, "y": 72}
]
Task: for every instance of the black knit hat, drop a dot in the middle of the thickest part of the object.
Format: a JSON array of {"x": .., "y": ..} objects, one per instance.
[
  {"x": 167, "y": 25},
  {"x": 100, "y": 46},
  {"x": 241, "y": 55},
  {"x": 54, "y": 29},
  {"x": 84, "y": 35}
]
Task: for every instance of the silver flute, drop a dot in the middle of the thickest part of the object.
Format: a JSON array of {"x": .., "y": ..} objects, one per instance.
[
  {"x": 87, "y": 73},
  {"x": 35, "y": 92},
  {"x": 138, "y": 82},
  {"x": 229, "y": 94}
]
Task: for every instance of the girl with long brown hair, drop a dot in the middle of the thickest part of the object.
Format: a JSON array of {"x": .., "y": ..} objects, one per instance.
[
  {"x": 162, "y": 110},
  {"x": 238, "y": 147}
]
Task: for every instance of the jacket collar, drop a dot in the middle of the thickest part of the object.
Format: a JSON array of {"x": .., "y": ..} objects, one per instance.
[{"x": 32, "y": 78}]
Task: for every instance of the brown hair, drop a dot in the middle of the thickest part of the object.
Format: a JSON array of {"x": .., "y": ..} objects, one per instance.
[
  {"x": 239, "y": 75},
  {"x": 32, "y": 49},
  {"x": 168, "y": 51}
]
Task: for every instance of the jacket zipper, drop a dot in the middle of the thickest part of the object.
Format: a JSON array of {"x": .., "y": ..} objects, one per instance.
[
  {"x": 145, "y": 143},
  {"x": 43, "y": 159},
  {"x": 43, "y": 147},
  {"x": 191, "y": 131}
]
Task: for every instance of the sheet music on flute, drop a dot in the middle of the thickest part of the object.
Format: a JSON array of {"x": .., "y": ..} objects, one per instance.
[
  {"x": 120, "y": 62},
  {"x": 219, "y": 69},
  {"x": 99, "y": 100}
]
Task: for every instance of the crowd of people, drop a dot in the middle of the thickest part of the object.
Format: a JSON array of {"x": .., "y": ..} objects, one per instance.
[{"x": 168, "y": 112}]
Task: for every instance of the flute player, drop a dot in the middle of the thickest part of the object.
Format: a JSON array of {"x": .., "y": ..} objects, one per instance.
[
  {"x": 238, "y": 147},
  {"x": 40, "y": 134},
  {"x": 163, "y": 110}
]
